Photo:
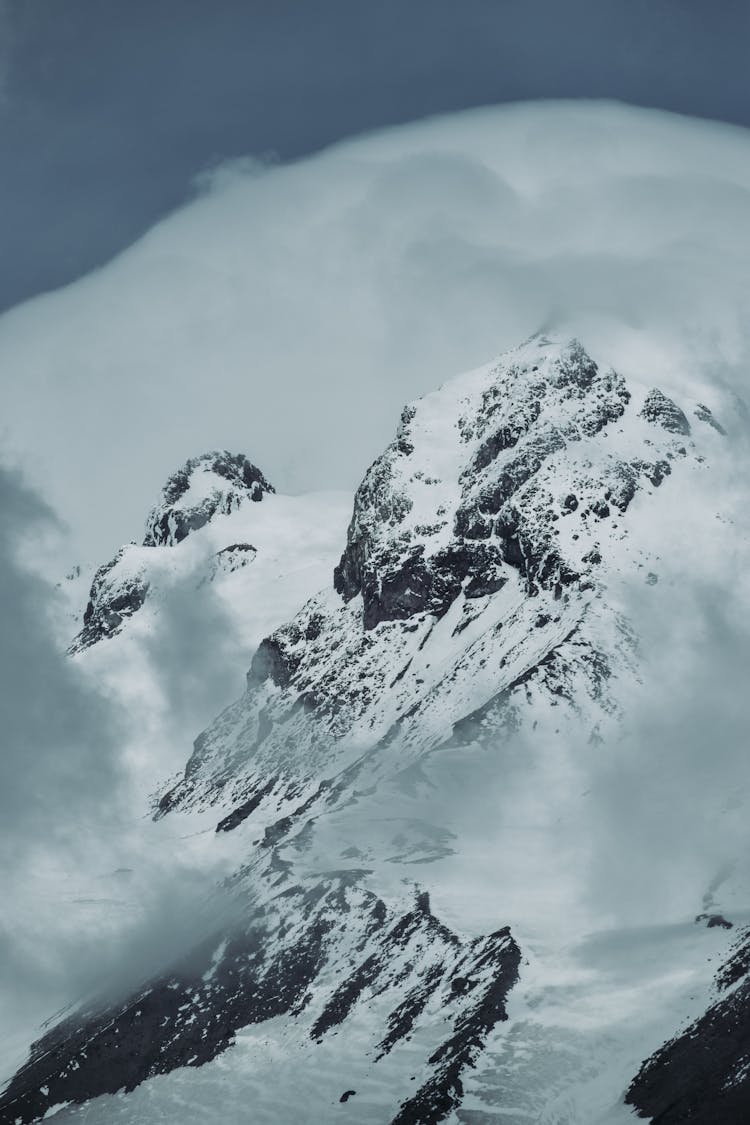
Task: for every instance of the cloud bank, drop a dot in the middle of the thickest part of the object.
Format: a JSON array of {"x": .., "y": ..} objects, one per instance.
[
  {"x": 290, "y": 311},
  {"x": 93, "y": 894}
]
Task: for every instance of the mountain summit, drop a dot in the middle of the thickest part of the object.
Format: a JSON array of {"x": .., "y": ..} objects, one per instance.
[
  {"x": 214, "y": 483},
  {"x": 398, "y": 786}
]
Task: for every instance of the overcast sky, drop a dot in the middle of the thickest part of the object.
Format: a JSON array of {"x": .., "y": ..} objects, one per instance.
[{"x": 109, "y": 109}]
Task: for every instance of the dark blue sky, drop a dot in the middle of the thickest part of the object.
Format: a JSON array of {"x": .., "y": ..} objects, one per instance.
[{"x": 109, "y": 109}]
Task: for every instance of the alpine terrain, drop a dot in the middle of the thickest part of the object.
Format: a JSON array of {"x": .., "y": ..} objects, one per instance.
[{"x": 410, "y": 923}]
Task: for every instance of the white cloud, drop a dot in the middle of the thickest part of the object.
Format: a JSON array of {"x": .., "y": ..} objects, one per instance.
[{"x": 289, "y": 313}]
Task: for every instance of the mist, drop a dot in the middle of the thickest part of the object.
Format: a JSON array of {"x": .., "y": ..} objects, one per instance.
[
  {"x": 290, "y": 311},
  {"x": 96, "y": 898}
]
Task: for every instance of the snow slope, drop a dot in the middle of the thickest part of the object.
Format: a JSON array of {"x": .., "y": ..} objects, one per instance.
[
  {"x": 225, "y": 559},
  {"x": 411, "y": 797}
]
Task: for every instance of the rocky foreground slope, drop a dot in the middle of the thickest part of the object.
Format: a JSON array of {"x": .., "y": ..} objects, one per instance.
[{"x": 473, "y": 619}]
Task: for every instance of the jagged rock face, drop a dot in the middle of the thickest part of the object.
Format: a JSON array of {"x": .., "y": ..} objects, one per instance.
[
  {"x": 112, "y": 599},
  {"x": 663, "y": 412},
  {"x": 469, "y": 579},
  {"x": 207, "y": 486},
  {"x": 703, "y": 1074},
  {"x": 530, "y": 417},
  {"x": 215, "y": 483},
  {"x": 467, "y": 609},
  {"x": 318, "y": 954}
]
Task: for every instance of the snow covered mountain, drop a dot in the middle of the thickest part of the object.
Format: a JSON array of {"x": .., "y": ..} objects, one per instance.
[
  {"x": 396, "y": 794},
  {"x": 225, "y": 559},
  {"x": 213, "y": 485}
]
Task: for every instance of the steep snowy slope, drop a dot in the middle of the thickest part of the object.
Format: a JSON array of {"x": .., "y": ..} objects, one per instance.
[
  {"x": 194, "y": 498},
  {"x": 471, "y": 580},
  {"x": 702, "y": 1075},
  {"x": 164, "y": 671},
  {"x": 224, "y": 560},
  {"x": 400, "y": 792}
]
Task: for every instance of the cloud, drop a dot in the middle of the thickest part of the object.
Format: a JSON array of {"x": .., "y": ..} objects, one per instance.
[
  {"x": 57, "y": 733},
  {"x": 667, "y": 813},
  {"x": 92, "y": 892},
  {"x": 289, "y": 311}
]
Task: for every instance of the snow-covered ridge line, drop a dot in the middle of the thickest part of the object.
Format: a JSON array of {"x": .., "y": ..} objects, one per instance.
[
  {"x": 475, "y": 556},
  {"x": 208, "y": 486},
  {"x": 214, "y": 483},
  {"x": 474, "y": 615}
]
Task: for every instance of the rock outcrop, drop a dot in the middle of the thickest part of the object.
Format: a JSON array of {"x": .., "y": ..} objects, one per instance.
[
  {"x": 468, "y": 620},
  {"x": 205, "y": 486},
  {"x": 702, "y": 1076}
]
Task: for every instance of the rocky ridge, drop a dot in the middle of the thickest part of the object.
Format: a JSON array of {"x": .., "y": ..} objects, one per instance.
[
  {"x": 469, "y": 580},
  {"x": 702, "y": 1075},
  {"x": 315, "y": 954},
  {"x": 467, "y": 611},
  {"x": 213, "y": 484}
]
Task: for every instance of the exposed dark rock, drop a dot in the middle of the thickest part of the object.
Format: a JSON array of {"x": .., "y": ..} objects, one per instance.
[
  {"x": 184, "y": 1018},
  {"x": 506, "y": 436},
  {"x": 442, "y": 1093},
  {"x": 402, "y": 1019},
  {"x": 414, "y": 587},
  {"x": 702, "y": 1076},
  {"x": 703, "y": 414},
  {"x": 271, "y": 662},
  {"x": 737, "y": 965},
  {"x": 117, "y": 594},
  {"x": 189, "y": 1014},
  {"x": 662, "y": 411},
  {"x": 397, "y": 575},
  {"x": 110, "y": 603},
  {"x": 575, "y": 370},
  {"x": 714, "y": 920},
  {"x": 518, "y": 471},
  {"x": 377, "y": 504},
  {"x": 237, "y": 479},
  {"x": 243, "y": 811},
  {"x": 231, "y": 558}
]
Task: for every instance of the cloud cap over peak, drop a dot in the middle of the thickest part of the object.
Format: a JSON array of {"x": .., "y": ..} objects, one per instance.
[{"x": 291, "y": 311}]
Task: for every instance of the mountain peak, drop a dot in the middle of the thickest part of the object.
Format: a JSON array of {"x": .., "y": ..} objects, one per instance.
[
  {"x": 471, "y": 483},
  {"x": 211, "y": 484},
  {"x": 214, "y": 483}
]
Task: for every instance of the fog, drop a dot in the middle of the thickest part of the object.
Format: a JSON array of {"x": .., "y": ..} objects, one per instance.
[
  {"x": 288, "y": 312},
  {"x": 92, "y": 898}
]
